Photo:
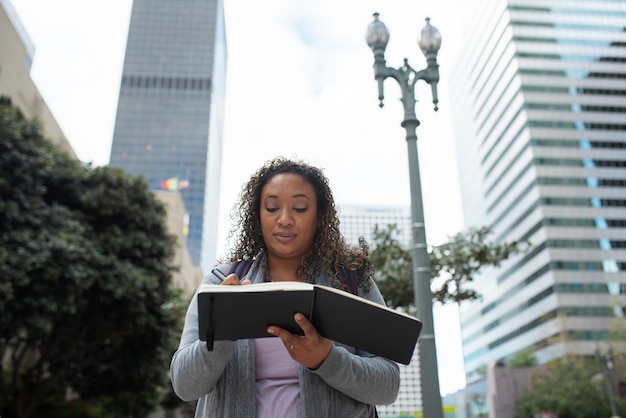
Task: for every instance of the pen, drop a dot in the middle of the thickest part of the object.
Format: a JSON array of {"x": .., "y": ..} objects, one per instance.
[{"x": 217, "y": 272}]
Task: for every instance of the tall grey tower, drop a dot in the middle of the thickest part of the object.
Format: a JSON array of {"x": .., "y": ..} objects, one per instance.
[
  {"x": 170, "y": 111},
  {"x": 539, "y": 105}
]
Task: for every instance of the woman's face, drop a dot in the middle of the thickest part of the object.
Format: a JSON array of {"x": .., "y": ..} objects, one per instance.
[{"x": 288, "y": 217}]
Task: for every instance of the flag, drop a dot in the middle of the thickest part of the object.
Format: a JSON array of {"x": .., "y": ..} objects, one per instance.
[
  {"x": 183, "y": 184},
  {"x": 170, "y": 184},
  {"x": 173, "y": 183}
]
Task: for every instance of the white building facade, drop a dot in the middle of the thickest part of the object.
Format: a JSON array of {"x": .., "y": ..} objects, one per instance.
[
  {"x": 359, "y": 221},
  {"x": 539, "y": 107}
]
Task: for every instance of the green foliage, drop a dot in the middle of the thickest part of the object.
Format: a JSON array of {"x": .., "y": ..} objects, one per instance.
[
  {"x": 570, "y": 387},
  {"x": 85, "y": 281},
  {"x": 462, "y": 258},
  {"x": 394, "y": 276},
  {"x": 458, "y": 261},
  {"x": 617, "y": 328},
  {"x": 524, "y": 358}
]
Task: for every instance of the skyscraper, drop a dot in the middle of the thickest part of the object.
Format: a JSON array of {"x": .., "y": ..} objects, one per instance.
[
  {"x": 539, "y": 106},
  {"x": 170, "y": 111}
]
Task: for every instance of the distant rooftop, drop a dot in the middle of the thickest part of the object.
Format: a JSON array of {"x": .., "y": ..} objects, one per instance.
[{"x": 21, "y": 31}]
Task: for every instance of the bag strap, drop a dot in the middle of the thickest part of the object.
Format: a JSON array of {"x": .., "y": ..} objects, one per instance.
[
  {"x": 240, "y": 268},
  {"x": 349, "y": 277}
]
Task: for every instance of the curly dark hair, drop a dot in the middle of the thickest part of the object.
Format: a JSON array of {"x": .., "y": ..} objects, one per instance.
[{"x": 328, "y": 253}]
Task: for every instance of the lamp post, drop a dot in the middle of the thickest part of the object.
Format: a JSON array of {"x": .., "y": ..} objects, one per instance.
[{"x": 430, "y": 41}]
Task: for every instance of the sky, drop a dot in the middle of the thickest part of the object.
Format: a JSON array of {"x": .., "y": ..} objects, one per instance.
[{"x": 299, "y": 84}]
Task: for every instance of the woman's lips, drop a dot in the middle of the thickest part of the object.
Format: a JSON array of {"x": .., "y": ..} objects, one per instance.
[{"x": 284, "y": 237}]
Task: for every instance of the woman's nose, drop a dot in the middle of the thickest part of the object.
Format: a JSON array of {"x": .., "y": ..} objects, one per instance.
[{"x": 285, "y": 218}]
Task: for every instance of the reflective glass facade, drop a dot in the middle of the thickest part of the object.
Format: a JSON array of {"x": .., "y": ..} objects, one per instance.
[
  {"x": 170, "y": 110},
  {"x": 539, "y": 107}
]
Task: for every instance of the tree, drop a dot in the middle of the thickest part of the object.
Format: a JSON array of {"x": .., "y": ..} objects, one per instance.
[
  {"x": 523, "y": 358},
  {"x": 86, "y": 301},
  {"x": 569, "y": 387},
  {"x": 460, "y": 259},
  {"x": 394, "y": 274}
]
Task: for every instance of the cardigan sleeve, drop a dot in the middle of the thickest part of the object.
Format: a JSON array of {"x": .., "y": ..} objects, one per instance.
[
  {"x": 362, "y": 376},
  {"x": 194, "y": 369},
  {"x": 371, "y": 380}
]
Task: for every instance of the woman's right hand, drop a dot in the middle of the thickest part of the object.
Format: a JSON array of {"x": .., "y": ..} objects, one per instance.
[{"x": 233, "y": 280}]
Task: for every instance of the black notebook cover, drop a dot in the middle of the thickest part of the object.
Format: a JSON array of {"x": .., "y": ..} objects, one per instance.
[{"x": 236, "y": 312}]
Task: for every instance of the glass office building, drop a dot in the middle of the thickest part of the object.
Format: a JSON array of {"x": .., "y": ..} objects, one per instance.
[
  {"x": 539, "y": 107},
  {"x": 170, "y": 111}
]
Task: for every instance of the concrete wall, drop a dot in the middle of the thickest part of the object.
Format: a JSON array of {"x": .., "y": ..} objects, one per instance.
[
  {"x": 505, "y": 385},
  {"x": 16, "y": 54},
  {"x": 189, "y": 276}
]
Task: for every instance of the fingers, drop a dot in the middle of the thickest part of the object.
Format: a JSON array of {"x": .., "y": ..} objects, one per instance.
[
  {"x": 305, "y": 325},
  {"x": 287, "y": 337},
  {"x": 233, "y": 280},
  {"x": 311, "y": 349},
  {"x": 281, "y": 333}
]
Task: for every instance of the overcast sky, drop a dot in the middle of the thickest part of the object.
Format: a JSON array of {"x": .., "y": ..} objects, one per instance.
[{"x": 299, "y": 84}]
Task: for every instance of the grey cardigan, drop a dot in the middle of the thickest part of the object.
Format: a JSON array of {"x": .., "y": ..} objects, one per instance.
[{"x": 347, "y": 384}]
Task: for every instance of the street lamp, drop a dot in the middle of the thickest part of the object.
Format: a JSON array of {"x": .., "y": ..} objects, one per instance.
[{"x": 430, "y": 41}]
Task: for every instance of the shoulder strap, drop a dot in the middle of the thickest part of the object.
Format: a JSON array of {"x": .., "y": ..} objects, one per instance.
[{"x": 240, "y": 268}]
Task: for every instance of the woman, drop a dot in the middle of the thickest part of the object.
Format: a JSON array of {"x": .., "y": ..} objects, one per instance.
[{"x": 288, "y": 228}]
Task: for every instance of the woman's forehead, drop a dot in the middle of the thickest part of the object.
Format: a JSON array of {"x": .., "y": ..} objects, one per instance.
[{"x": 287, "y": 183}]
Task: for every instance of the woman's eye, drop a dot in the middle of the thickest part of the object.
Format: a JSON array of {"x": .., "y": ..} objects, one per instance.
[
  {"x": 300, "y": 210},
  {"x": 271, "y": 209}
]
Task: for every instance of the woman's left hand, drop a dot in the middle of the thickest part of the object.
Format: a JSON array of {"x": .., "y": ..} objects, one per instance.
[{"x": 310, "y": 350}]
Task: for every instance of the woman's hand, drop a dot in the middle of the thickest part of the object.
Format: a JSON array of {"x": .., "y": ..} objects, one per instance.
[
  {"x": 310, "y": 350},
  {"x": 233, "y": 280}
]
